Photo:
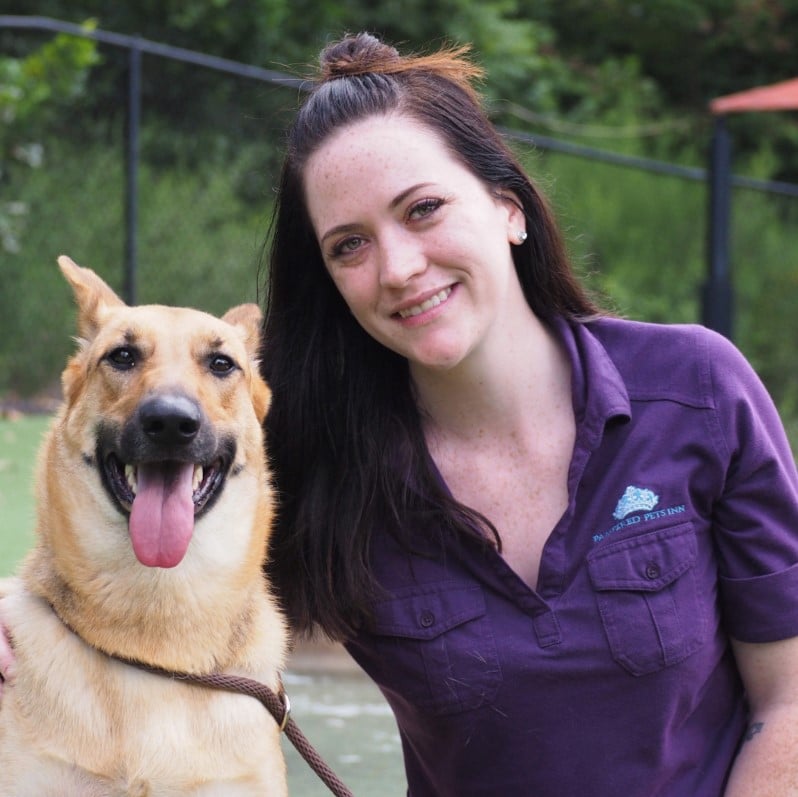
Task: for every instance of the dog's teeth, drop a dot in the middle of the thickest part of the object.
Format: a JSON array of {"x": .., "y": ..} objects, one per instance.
[
  {"x": 199, "y": 472},
  {"x": 130, "y": 475}
]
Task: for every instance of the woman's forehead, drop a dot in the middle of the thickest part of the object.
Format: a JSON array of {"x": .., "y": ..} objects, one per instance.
[{"x": 390, "y": 149}]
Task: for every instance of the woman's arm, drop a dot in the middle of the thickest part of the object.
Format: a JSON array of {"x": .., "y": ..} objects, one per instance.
[
  {"x": 767, "y": 763},
  {"x": 6, "y": 660},
  {"x": 6, "y": 653}
]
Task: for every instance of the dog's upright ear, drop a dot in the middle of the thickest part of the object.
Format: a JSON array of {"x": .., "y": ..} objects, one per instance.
[
  {"x": 92, "y": 295},
  {"x": 246, "y": 318}
]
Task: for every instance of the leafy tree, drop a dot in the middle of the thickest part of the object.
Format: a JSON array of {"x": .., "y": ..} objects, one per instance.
[
  {"x": 694, "y": 51},
  {"x": 32, "y": 90}
]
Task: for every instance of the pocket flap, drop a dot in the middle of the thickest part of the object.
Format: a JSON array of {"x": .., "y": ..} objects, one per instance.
[
  {"x": 646, "y": 563},
  {"x": 428, "y": 613}
]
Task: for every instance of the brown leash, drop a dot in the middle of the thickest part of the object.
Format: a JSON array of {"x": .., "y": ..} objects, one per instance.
[{"x": 278, "y": 706}]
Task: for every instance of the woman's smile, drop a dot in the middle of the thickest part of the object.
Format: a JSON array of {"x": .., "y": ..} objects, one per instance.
[{"x": 423, "y": 307}]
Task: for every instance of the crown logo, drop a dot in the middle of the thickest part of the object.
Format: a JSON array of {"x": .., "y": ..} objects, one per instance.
[{"x": 635, "y": 499}]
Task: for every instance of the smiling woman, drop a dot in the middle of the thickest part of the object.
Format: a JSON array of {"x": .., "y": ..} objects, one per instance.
[{"x": 454, "y": 428}]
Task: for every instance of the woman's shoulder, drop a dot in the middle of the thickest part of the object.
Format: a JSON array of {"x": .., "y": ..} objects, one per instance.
[
  {"x": 648, "y": 337},
  {"x": 683, "y": 360}
]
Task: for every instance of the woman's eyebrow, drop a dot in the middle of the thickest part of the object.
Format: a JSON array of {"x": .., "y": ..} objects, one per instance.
[
  {"x": 397, "y": 200},
  {"x": 338, "y": 230}
]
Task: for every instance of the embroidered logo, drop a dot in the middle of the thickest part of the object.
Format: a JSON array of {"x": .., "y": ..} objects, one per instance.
[{"x": 635, "y": 499}]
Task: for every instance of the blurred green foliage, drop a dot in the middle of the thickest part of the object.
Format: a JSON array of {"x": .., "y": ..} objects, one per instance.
[
  {"x": 32, "y": 89},
  {"x": 633, "y": 77}
]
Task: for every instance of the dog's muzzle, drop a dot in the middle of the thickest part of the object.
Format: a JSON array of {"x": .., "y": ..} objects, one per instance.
[{"x": 164, "y": 468}]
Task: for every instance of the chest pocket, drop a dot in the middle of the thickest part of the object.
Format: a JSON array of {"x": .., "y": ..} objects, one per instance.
[
  {"x": 439, "y": 648},
  {"x": 648, "y": 598}
]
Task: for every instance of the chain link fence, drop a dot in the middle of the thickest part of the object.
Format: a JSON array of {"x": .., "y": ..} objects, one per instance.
[{"x": 169, "y": 198}]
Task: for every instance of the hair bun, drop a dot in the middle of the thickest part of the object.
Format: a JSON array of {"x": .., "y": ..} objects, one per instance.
[{"x": 356, "y": 55}]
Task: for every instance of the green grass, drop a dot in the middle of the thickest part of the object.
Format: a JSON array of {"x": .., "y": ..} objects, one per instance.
[{"x": 19, "y": 442}]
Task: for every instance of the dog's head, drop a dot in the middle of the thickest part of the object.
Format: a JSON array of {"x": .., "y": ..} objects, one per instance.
[{"x": 161, "y": 424}]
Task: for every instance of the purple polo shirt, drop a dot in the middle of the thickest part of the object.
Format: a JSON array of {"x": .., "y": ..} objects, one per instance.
[{"x": 615, "y": 676}]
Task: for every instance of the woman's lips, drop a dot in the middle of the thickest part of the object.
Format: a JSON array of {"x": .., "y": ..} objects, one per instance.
[{"x": 433, "y": 301}]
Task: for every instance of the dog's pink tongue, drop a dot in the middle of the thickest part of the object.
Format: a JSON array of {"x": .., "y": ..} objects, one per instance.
[{"x": 162, "y": 517}]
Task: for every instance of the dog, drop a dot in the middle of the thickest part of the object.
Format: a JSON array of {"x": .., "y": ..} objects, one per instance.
[{"x": 153, "y": 514}]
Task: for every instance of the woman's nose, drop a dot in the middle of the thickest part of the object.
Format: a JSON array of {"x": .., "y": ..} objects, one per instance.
[{"x": 400, "y": 260}]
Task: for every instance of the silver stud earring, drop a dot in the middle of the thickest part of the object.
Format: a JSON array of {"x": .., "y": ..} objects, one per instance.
[{"x": 522, "y": 236}]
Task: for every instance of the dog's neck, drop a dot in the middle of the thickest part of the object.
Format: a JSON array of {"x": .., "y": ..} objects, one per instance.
[{"x": 157, "y": 633}]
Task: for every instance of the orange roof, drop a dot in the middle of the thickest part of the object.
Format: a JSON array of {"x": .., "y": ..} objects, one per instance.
[{"x": 776, "y": 97}]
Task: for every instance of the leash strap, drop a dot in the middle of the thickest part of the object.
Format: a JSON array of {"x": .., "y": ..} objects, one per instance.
[{"x": 278, "y": 706}]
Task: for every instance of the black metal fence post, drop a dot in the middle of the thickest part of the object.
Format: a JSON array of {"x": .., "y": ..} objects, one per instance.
[
  {"x": 717, "y": 310},
  {"x": 132, "y": 170}
]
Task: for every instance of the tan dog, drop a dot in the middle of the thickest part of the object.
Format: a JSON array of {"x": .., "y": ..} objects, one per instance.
[{"x": 153, "y": 517}]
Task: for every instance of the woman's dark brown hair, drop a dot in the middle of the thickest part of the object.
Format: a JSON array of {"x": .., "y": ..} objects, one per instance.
[{"x": 344, "y": 433}]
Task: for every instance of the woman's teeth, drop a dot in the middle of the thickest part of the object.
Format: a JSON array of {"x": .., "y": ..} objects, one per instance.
[{"x": 433, "y": 301}]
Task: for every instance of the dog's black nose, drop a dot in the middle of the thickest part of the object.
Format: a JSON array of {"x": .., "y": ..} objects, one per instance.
[{"x": 171, "y": 419}]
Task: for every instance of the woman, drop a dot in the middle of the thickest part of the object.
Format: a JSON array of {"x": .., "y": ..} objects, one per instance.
[{"x": 563, "y": 545}]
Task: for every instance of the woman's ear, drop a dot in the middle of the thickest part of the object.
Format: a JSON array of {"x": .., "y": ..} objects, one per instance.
[{"x": 516, "y": 219}]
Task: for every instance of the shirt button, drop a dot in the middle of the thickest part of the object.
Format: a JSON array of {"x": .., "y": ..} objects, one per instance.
[
  {"x": 427, "y": 619},
  {"x": 652, "y": 571}
]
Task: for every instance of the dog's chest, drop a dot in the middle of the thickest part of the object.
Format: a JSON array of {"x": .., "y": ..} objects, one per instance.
[{"x": 97, "y": 726}]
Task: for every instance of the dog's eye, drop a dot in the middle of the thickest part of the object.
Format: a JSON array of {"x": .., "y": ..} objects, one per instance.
[
  {"x": 221, "y": 364},
  {"x": 123, "y": 359}
]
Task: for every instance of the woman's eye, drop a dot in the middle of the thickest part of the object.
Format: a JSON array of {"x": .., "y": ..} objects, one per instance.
[
  {"x": 424, "y": 208},
  {"x": 347, "y": 247},
  {"x": 221, "y": 364},
  {"x": 123, "y": 358}
]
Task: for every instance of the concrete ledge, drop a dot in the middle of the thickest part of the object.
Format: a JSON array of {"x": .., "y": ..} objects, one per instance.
[{"x": 321, "y": 655}]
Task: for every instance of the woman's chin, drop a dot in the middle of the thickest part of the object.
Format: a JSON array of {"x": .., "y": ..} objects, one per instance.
[{"x": 437, "y": 359}]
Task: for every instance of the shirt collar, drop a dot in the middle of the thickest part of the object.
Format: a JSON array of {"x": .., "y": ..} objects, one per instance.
[{"x": 598, "y": 390}]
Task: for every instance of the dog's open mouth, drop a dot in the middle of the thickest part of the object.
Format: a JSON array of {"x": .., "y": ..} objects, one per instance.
[
  {"x": 162, "y": 500},
  {"x": 123, "y": 479}
]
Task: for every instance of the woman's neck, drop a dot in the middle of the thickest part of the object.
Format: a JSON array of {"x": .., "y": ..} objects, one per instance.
[{"x": 500, "y": 390}]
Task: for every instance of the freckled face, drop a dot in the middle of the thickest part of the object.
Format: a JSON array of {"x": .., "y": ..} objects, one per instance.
[{"x": 418, "y": 247}]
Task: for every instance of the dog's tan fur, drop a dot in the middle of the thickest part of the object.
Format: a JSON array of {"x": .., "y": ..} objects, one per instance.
[{"x": 74, "y": 721}]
